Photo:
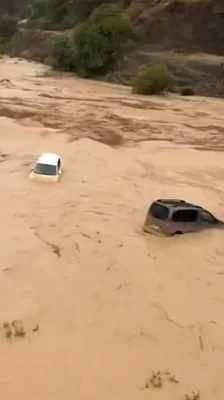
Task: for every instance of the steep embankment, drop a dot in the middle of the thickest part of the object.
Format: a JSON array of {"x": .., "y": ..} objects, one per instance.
[
  {"x": 191, "y": 25},
  {"x": 186, "y": 35},
  {"x": 34, "y": 45}
]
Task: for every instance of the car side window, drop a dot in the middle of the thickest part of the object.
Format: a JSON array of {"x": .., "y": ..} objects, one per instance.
[
  {"x": 185, "y": 216},
  {"x": 206, "y": 217}
]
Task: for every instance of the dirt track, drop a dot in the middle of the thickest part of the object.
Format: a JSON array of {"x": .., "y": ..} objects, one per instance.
[{"x": 111, "y": 303}]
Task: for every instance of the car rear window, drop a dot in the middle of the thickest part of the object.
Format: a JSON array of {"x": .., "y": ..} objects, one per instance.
[
  {"x": 45, "y": 169},
  {"x": 159, "y": 211}
]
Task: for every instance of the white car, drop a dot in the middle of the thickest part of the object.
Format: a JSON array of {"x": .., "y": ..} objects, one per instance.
[{"x": 48, "y": 168}]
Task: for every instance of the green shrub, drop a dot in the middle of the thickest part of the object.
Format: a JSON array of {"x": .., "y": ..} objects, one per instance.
[
  {"x": 8, "y": 28},
  {"x": 111, "y": 21},
  {"x": 150, "y": 80},
  {"x": 187, "y": 92},
  {"x": 92, "y": 48},
  {"x": 63, "y": 55},
  {"x": 101, "y": 40}
]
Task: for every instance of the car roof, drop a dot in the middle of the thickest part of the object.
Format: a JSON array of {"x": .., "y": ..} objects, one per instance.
[
  {"x": 177, "y": 203},
  {"x": 48, "y": 158}
]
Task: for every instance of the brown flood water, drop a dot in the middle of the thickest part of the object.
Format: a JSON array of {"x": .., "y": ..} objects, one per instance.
[{"x": 111, "y": 303}]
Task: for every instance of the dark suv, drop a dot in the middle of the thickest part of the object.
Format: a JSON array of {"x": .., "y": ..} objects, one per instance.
[{"x": 169, "y": 217}]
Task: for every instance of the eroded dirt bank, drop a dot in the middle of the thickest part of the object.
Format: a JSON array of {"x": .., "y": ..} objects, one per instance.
[{"x": 111, "y": 303}]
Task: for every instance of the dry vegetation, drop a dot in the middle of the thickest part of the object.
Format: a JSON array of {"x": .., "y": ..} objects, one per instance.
[{"x": 15, "y": 329}]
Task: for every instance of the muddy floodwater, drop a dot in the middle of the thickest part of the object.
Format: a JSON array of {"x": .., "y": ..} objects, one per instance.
[{"x": 89, "y": 305}]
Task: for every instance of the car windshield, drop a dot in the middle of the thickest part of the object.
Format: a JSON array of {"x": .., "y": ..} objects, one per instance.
[
  {"x": 207, "y": 217},
  {"x": 159, "y": 211},
  {"x": 45, "y": 169}
]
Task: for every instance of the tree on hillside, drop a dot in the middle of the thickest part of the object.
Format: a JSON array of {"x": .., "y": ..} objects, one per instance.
[
  {"x": 63, "y": 55},
  {"x": 101, "y": 40},
  {"x": 97, "y": 43},
  {"x": 105, "y": 11}
]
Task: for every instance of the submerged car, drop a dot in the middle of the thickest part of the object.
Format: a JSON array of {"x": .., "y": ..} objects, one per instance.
[
  {"x": 168, "y": 217},
  {"x": 48, "y": 168}
]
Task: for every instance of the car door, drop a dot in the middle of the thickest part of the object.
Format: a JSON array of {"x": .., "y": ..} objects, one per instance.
[{"x": 185, "y": 220}]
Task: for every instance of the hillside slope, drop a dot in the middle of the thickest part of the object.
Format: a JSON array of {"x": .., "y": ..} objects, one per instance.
[
  {"x": 186, "y": 35},
  {"x": 191, "y": 25}
]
